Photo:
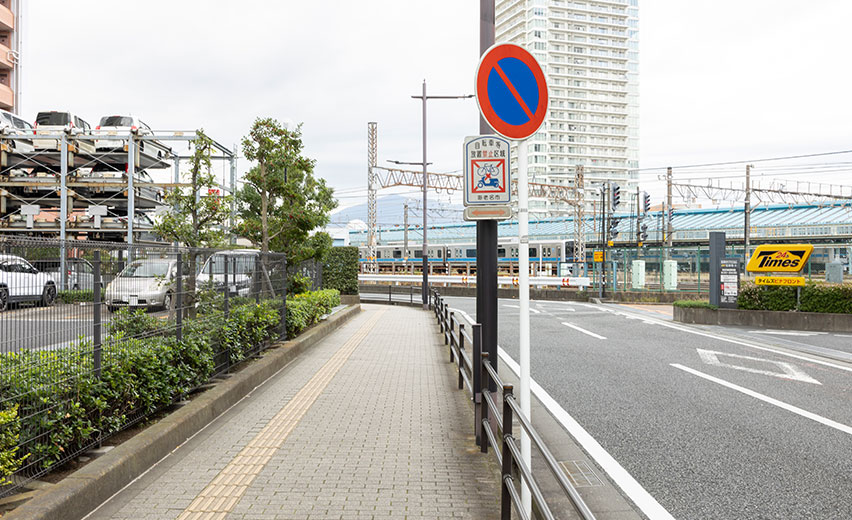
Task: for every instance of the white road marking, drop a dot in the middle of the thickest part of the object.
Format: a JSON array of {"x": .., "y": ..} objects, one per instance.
[
  {"x": 843, "y": 335},
  {"x": 624, "y": 480},
  {"x": 766, "y": 399},
  {"x": 742, "y": 343},
  {"x": 584, "y": 331},
  {"x": 790, "y": 371},
  {"x": 518, "y": 307},
  {"x": 786, "y": 332}
]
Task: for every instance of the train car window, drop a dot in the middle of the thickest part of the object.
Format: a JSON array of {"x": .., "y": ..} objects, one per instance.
[
  {"x": 439, "y": 253},
  {"x": 533, "y": 252},
  {"x": 471, "y": 253},
  {"x": 501, "y": 251},
  {"x": 418, "y": 253},
  {"x": 397, "y": 253}
]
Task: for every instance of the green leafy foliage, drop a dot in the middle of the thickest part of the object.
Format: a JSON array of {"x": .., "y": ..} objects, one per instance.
[
  {"x": 10, "y": 429},
  {"x": 84, "y": 295},
  {"x": 341, "y": 270},
  {"x": 55, "y": 405},
  {"x": 815, "y": 297},
  {"x": 694, "y": 304}
]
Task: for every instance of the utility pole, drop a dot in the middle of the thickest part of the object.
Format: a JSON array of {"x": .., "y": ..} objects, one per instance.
[
  {"x": 579, "y": 232},
  {"x": 638, "y": 219},
  {"x": 669, "y": 211},
  {"x": 372, "y": 156},
  {"x": 405, "y": 234},
  {"x": 602, "y": 280},
  {"x": 747, "y": 218}
]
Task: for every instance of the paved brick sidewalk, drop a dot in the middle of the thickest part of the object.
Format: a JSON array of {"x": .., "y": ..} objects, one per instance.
[{"x": 366, "y": 424}]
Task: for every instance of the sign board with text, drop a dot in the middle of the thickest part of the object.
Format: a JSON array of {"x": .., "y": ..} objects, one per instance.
[
  {"x": 487, "y": 178},
  {"x": 729, "y": 279},
  {"x": 782, "y": 281},
  {"x": 488, "y": 213},
  {"x": 782, "y": 258},
  {"x": 599, "y": 256}
]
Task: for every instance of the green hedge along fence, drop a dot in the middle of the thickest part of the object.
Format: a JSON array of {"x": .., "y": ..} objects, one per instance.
[
  {"x": 341, "y": 270},
  {"x": 143, "y": 371},
  {"x": 815, "y": 297}
]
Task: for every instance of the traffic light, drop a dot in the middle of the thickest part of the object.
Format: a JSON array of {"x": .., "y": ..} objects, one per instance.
[
  {"x": 615, "y": 196},
  {"x": 613, "y": 228},
  {"x": 646, "y": 202},
  {"x": 643, "y": 232}
]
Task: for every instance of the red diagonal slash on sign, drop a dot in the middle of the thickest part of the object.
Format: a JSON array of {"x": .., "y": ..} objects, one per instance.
[{"x": 514, "y": 91}]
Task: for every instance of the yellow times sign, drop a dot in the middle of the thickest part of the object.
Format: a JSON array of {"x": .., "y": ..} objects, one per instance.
[
  {"x": 599, "y": 256},
  {"x": 786, "y": 281},
  {"x": 786, "y": 258}
]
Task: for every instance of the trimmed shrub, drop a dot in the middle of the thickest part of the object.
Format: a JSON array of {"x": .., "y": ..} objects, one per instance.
[
  {"x": 341, "y": 270},
  {"x": 10, "y": 429},
  {"x": 815, "y": 297},
  {"x": 303, "y": 310},
  {"x": 694, "y": 304}
]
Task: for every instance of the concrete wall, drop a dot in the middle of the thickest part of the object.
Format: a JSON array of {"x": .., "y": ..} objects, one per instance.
[{"x": 782, "y": 320}]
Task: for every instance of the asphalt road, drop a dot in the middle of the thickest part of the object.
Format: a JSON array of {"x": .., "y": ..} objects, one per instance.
[{"x": 714, "y": 423}]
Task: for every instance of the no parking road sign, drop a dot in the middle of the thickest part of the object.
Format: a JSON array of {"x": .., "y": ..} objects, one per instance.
[
  {"x": 511, "y": 91},
  {"x": 486, "y": 170}
]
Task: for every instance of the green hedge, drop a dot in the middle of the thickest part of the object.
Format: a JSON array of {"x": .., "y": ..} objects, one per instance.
[
  {"x": 75, "y": 296},
  {"x": 144, "y": 368},
  {"x": 694, "y": 304},
  {"x": 815, "y": 297},
  {"x": 303, "y": 310},
  {"x": 341, "y": 270}
]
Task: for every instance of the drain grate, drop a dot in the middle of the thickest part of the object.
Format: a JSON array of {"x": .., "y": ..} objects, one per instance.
[{"x": 580, "y": 473}]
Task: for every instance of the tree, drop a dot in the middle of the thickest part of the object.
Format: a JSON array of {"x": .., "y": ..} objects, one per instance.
[
  {"x": 195, "y": 220},
  {"x": 281, "y": 202}
]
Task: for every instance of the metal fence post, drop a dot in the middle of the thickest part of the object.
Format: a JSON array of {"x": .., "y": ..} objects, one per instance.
[
  {"x": 448, "y": 336},
  {"x": 483, "y": 423},
  {"x": 390, "y": 297},
  {"x": 179, "y": 298},
  {"x": 461, "y": 349},
  {"x": 258, "y": 284},
  {"x": 96, "y": 314},
  {"x": 477, "y": 381},
  {"x": 506, "y": 478},
  {"x": 284, "y": 298}
]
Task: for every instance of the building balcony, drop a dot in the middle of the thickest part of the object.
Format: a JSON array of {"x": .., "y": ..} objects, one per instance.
[
  {"x": 7, "y": 19},
  {"x": 7, "y": 97},
  {"x": 6, "y": 58}
]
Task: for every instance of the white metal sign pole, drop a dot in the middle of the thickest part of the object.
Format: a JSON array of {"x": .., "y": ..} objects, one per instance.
[{"x": 524, "y": 299}]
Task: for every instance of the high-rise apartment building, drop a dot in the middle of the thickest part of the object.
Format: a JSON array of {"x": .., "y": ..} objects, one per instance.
[
  {"x": 589, "y": 51},
  {"x": 10, "y": 45}
]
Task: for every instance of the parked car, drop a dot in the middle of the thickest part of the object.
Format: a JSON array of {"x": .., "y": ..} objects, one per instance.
[
  {"x": 80, "y": 274},
  {"x": 241, "y": 269},
  {"x": 123, "y": 125},
  {"x": 55, "y": 122},
  {"x": 12, "y": 125},
  {"x": 21, "y": 282},
  {"x": 147, "y": 283}
]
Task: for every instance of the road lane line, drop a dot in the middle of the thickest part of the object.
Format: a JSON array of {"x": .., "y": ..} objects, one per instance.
[
  {"x": 624, "y": 480},
  {"x": 786, "y": 333},
  {"x": 742, "y": 343},
  {"x": 584, "y": 331},
  {"x": 766, "y": 399}
]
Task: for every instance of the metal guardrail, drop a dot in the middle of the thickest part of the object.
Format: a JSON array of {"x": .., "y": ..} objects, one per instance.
[
  {"x": 477, "y": 377},
  {"x": 391, "y": 293}
]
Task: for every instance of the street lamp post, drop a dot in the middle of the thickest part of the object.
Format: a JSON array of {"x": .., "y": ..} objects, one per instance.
[{"x": 424, "y": 97}]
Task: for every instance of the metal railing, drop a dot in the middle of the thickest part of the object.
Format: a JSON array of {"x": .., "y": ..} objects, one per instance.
[
  {"x": 390, "y": 293},
  {"x": 478, "y": 378},
  {"x": 96, "y": 336}
]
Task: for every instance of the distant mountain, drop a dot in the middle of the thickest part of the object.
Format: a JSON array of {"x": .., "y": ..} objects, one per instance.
[{"x": 390, "y": 210}]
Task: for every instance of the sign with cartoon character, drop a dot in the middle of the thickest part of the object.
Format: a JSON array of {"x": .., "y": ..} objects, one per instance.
[{"x": 486, "y": 170}]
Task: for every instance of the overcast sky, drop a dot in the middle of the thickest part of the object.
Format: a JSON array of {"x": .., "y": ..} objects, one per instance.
[{"x": 726, "y": 81}]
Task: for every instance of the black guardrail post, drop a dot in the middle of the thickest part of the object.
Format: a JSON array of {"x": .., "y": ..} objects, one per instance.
[
  {"x": 505, "y": 496},
  {"x": 448, "y": 337},
  {"x": 227, "y": 293},
  {"x": 284, "y": 299},
  {"x": 477, "y": 381},
  {"x": 179, "y": 298},
  {"x": 96, "y": 314},
  {"x": 390, "y": 293},
  {"x": 483, "y": 423},
  {"x": 461, "y": 358}
]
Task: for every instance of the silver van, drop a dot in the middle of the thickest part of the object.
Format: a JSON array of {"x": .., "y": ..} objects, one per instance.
[{"x": 55, "y": 122}]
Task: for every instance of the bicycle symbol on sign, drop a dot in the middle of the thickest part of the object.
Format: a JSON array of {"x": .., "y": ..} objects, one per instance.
[{"x": 488, "y": 176}]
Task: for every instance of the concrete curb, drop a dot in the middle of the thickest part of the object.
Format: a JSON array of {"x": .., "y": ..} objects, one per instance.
[
  {"x": 782, "y": 320},
  {"x": 90, "y": 486}
]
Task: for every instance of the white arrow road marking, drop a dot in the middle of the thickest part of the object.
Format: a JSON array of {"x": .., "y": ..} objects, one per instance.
[
  {"x": 766, "y": 399},
  {"x": 789, "y": 370},
  {"x": 584, "y": 331},
  {"x": 518, "y": 307},
  {"x": 786, "y": 332}
]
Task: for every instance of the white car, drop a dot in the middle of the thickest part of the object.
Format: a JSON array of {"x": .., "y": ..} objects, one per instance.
[
  {"x": 241, "y": 268},
  {"x": 12, "y": 125},
  {"x": 143, "y": 283},
  {"x": 56, "y": 122},
  {"x": 21, "y": 282},
  {"x": 124, "y": 125}
]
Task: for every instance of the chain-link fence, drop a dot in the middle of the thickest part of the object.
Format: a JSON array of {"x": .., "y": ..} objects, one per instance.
[{"x": 96, "y": 336}]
